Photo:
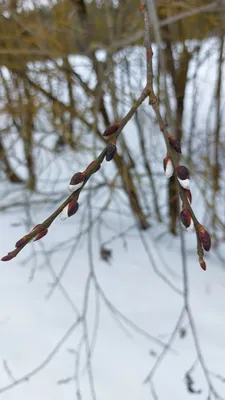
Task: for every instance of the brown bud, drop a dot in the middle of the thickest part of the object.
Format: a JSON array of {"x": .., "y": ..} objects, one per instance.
[
  {"x": 202, "y": 264},
  {"x": 182, "y": 172},
  {"x": 111, "y": 129},
  {"x": 174, "y": 143},
  {"x": 91, "y": 165},
  {"x": 76, "y": 181},
  {"x": 72, "y": 208},
  {"x": 110, "y": 151},
  {"x": 205, "y": 238},
  {"x": 183, "y": 176},
  {"x": 185, "y": 217},
  {"x": 36, "y": 226},
  {"x": 41, "y": 234},
  {"x": 9, "y": 257},
  {"x": 77, "y": 178},
  {"x": 21, "y": 242}
]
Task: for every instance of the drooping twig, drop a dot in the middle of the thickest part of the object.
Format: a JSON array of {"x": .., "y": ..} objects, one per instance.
[{"x": 172, "y": 145}]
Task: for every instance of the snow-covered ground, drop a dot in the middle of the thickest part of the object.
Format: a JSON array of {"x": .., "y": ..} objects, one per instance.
[{"x": 31, "y": 325}]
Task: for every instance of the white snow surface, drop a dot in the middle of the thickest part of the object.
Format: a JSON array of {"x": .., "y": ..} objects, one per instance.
[{"x": 31, "y": 325}]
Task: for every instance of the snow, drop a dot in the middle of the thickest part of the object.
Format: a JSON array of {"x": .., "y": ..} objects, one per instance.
[{"x": 31, "y": 325}]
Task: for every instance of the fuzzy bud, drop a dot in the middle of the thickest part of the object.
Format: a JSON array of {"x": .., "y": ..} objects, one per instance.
[
  {"x": 168, "y": 167},
  {"x": 205, "y": 238},
  {"x": 76, "y": 181},
  {"x": 183, "y": 176},
  {"x": 111, "y": 129},
  {"x": 202, "y": 264},
  {"x": 110, "y": 151},
  {"x": 174, "y": 143},
  {"x": 9, "y": 257},
  {"x": 185, "y": 217},
  {"x": 70, "y": 209},
  {"x": 21, "y": 242},
  {"x": 41, "y": 234}
]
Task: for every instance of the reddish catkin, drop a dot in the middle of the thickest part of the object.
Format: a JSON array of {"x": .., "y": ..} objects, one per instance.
[
  {"x": 111, "y": 129},
  {"x": 185, "y": 217},
  {"x": 41, "y": 234},
  {"x": 202, "y": 264},
  {"x": 182, "y": 172},
  {"x": 76, "y": 181},
  {"x": 204, "y": 237},
  {"x": 110, "y": 151},
  {"x": 21, "y": 242},
  {"x": 183, "y": 176},
  {"x": 70, "y": 209},
  {"x": 9, "y": 257}
]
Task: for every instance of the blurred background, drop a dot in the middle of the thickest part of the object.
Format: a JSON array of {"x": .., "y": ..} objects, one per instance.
[{"x": 68, "y": 69}]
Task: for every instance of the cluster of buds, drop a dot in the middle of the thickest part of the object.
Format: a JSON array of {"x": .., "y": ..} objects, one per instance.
[
  {"x": 23, "y": 241},
  {"x": 111, "y": 147},
  {"x": 76, "y": 182},
  {"x": 39, "y": 236},
  {"x": 181, "y": 171},
  {"x": 183, "y": 177},
  {"x": 79, "y": 178}
]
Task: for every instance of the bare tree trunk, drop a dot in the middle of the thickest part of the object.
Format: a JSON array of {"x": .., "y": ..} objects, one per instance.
[
  {"x": 10, "y": 173},
  {"x": 131, "y": 191},
  {"x": 216, "y": 169}
]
